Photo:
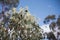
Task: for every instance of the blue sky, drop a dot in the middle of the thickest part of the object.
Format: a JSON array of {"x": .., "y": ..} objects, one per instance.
[{"x": 41, "y": 8}]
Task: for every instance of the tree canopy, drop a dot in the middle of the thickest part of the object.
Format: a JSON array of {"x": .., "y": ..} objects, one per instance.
[
  {"x": 22, "y": 25},
  {"x": 53, "y": 20},
  {"x": 9, "y": 3},
  {"x": 54, "y": 24}
]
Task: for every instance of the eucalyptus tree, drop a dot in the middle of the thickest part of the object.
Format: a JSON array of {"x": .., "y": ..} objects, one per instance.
[
  {"x": 9, "y": 4},
  {"x": 54, "y": 23},
  {"x": 23, "y": 25}
]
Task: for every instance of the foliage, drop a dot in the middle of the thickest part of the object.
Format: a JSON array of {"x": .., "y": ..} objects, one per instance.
[
  {"x": 54, "y": 24},
  {"x": 55, "y": 21},
  {"x": 9, "y": 3},
  {"x": 24, "y": 25}
]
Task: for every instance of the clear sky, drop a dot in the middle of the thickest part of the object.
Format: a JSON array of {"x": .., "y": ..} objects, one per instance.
[{"x": 41, "y": 8}]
